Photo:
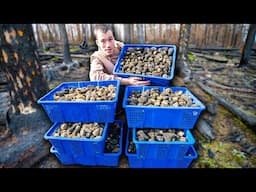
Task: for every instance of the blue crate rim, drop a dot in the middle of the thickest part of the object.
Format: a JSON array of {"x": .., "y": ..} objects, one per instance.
[
  {"x": 148, "y": 45},
  {"x": 187, "y": 133},
  {"x": 187, "y": 92},
  {"x": 120, "y": 122},
  {"x": 144, "y": 77},
  {"x": 127, "y": 145},
  {"x": 79, "y": 102},
  {"x": 41, "y": 100},
  {"x": 195, "y": 156},
  {"x": 136, "y": 162},
  {"x": 56, "y": 125}
]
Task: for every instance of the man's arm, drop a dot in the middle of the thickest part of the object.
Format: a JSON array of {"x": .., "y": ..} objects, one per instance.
[{"x": 97, "y": 71}]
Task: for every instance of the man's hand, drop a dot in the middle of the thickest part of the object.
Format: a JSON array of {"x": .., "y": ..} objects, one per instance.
[{"x": 137, "y": 81}]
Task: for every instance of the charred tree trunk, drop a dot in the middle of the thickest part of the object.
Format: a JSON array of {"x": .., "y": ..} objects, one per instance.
[
  {"x": 248, "y": 46},
  {"x": 56, "y": 33},
  {"x": 205, "y": 35},
  {"x": 71, "y": 32},
  {"x": 224, "y": 36},
  {"x": 39, "y": 42},
  {"x": 122, "y": 32},
  {"x": 233, "y": 36},
  {"x": 215, "y": 34},
  {"x": 141, "y": 33},
  {"x": 79, "y": 33},
  {"x": 50, "y": 33},
  {"x": 67, "y": 56},
  {"x": 90, "y": 39},
  {"x": 127, "y": 36},
  {"x": 182, "y": 66},
  {"x": 20, "y": 62}
]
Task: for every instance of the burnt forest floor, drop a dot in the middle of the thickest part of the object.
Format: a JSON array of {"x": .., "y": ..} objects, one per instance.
[
  {"x": 234, "y": 142},
  {"x": 233, "y": 145}
]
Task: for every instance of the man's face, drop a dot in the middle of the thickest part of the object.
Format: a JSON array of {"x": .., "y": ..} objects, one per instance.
[{"x": 106, "y": 42}]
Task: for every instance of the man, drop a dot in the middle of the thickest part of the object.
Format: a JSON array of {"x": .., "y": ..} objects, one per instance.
[
  {"x": 102, "y": 65},
  {"x": 103, "y": 60}
]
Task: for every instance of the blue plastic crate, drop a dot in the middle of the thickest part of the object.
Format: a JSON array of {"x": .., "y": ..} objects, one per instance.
[
  {"x": 67, "y": 157},
  {"x": 154, "y": 79},
  {"x": 77, "y": 147},
  {"x": 163, "y": 150},
  {"x": 112, "y": 159},
  {"x": 137, "y": 162},
  {"x": 161, "y": 117},
  {"x": 188, "y": 158},
  {"x": 64, "y": 159},
  {"x": 80, "y": 111},
  {"x": 133, "y": 159}
]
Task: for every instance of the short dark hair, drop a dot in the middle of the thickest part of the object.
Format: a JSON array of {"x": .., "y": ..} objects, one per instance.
[{"x": 104, "y": 28}]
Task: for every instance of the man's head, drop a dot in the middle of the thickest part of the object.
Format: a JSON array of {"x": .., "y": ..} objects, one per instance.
[{"x": 104, "y": 38}]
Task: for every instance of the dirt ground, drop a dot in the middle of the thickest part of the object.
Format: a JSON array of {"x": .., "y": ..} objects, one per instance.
[{"x": 234, "y": 142}]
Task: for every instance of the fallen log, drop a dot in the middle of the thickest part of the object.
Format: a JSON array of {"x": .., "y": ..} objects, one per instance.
[
  {"x": 216, "y": 58},
  {"x": 61, "y": 55},
  {"x": 248, "y": 120},
  {"x": 216, "y": 85},
  {"x": 52, "y": 72},
  {"x": 226, "y": 53},
  {"x": 205, "y": 129},
  {"x": 215, "y": 49},
  {"x": 219, "y": 68},
  {"x": 219, "y": 59}
]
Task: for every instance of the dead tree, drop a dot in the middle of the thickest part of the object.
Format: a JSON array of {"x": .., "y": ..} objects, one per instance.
[
  {"x": 63, "y": 32},
  {"x": 141, "y": 32},
  {"x": 122, "y": 32},
  {"x": 182, "y": 65},
  {"x": 248, "y": 46},
  {"x": 20, "y": 62}
]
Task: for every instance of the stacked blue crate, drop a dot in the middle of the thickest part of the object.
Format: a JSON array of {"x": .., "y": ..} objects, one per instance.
[
  {"x": 138, "y": 160},
  {"x": 164, "y": 117},
  {"x": 162, "y": 149},
  {"x": 80, "y": 111},
  {"x": 82, "y": 151},
  {"x": 75, "y": 151},
  {"x": 162, "y": 154},
  {"x": 173, "y": 154}
]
